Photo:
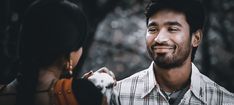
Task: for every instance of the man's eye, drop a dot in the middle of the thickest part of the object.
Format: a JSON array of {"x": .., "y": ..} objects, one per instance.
[
  {"x": 173, "y": 29},
  {"x": 152, "y": 29}
]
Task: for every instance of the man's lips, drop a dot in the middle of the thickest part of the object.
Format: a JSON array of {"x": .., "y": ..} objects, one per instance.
[{"x": 163, "y": 49}]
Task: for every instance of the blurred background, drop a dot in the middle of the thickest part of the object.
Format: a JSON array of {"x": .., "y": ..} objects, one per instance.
[{"x": 116, "y": 40}]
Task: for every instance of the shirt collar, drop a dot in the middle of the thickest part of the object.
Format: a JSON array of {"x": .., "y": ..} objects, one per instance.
[
  {"x": 151, "y": 80},
  {"x": 196, "y": 84}
]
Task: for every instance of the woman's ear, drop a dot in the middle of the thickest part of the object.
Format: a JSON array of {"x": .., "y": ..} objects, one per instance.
[
  {"x": 196, "y": 38},
  {"x": 75, "y": 56}
]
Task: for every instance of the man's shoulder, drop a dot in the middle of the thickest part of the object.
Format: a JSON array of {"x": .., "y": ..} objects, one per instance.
[
  {"x": 133, "y": 84},
  {"x": 137, "y": 79},
  {"x": 211, "y": 86},
  {"x": 135, "y": 76}
]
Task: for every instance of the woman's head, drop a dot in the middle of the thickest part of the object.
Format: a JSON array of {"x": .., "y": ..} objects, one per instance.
[{"x": 51, "y": 31}]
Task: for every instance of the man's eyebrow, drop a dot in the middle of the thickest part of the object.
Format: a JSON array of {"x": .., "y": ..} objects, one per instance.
[
  {"x": 152, "y": 24},
  {"x": 173, "y": 23}
]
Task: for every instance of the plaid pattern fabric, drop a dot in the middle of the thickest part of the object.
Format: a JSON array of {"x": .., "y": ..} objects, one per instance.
[{"x": 142, "y": 89}]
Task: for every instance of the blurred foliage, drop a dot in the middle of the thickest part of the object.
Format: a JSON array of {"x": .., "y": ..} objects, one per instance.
[{"x": 119, "y": 42}]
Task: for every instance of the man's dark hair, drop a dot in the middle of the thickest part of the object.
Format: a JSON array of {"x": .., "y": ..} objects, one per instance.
[{"x": 193, "y": 11}]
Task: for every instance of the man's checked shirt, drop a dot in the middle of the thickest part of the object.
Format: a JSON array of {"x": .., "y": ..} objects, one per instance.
[{"x": 143, "y": 89}]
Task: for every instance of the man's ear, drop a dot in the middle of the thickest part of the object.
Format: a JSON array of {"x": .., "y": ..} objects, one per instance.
[{"x": 196, "y": 38}]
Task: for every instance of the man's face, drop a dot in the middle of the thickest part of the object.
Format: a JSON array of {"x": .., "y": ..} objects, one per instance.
[{"x": 168, "y": 39}]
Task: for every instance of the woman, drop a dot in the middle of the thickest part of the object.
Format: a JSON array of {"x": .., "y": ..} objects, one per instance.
[{"x": 52, "y": 38}]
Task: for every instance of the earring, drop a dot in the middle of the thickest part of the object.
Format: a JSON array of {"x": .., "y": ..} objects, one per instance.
[{"x": 69, "y": 67}]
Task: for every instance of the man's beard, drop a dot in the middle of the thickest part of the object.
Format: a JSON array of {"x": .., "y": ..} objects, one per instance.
[{"x": 171, "y": 61}]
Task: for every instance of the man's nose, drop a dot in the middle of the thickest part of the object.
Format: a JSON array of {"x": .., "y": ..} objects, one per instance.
[{"x": 161, "y": 37}]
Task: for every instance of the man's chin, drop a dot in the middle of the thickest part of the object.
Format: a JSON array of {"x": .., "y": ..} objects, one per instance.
[{"x": 166, "y": 63}]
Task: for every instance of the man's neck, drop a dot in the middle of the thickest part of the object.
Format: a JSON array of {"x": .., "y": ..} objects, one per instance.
[{"x": 173, "y": 79}]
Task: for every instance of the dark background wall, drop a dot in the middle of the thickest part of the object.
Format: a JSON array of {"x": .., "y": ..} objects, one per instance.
[{"x": 117, "y": 38}]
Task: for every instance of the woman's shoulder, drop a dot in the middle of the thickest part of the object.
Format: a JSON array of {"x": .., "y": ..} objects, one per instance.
[
  {"x": 9, "y": 89},
  {"x": 8, "y": 93}
]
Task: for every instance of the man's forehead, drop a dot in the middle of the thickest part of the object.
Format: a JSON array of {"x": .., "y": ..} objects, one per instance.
[{"x": 167, "y": 16}]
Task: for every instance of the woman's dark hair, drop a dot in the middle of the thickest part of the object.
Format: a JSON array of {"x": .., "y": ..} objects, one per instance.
[
  {"x": 51, "y": 30},
  {"x": 192, "y": 9}
]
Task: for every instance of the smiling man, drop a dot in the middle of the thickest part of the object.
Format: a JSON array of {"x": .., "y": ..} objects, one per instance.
[{"x": 174, "y": 31}]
